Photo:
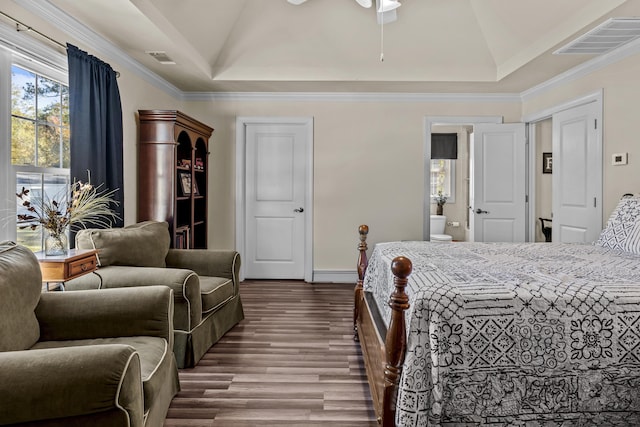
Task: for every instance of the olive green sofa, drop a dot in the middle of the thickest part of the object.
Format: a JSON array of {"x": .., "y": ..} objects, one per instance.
[
  {"x": 91, "y": 358},
  {"x": 204, "y": 282}
]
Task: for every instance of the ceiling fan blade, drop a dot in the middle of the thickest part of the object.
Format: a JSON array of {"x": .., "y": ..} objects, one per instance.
[
  {"x": 296, "y": 2},
  {"x": 364, "y": 3}
]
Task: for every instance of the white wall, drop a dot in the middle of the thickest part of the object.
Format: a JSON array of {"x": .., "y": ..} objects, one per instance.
[{"x": 368, "y": 167}]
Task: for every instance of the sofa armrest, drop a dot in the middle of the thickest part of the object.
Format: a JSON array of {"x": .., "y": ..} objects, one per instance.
[
  {"x": 185, "y": 284},
  {"x": 207, "y": 262},
  {"x": 106, "y": 313},
  {"x": 98, "y": 380}
]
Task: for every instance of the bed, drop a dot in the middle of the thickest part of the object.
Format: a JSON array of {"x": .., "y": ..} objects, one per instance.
[{"x": 530, "y": 334}]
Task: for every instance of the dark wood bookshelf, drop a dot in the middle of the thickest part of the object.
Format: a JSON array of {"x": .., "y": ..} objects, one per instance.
[{"x": 173, "y": 152}]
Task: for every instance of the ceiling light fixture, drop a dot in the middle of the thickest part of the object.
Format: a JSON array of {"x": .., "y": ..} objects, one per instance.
[
  {"x": 385, "y": 6},
  {"x": 363, "y": 3},
  {"x": 388, "y": 5}
]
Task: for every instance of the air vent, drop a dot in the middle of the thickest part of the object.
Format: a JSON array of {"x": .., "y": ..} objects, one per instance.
[
  {"x": 605, "y": 37},
  {"x": 160, "y": 56}
]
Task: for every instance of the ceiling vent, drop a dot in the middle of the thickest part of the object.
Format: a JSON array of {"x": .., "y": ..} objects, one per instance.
[
  {"x": 160, "y": 56},
  {"x": 606, "y": 37}
]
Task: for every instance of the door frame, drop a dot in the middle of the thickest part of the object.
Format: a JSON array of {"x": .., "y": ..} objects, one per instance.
[
  {"x": 597, "y": 97},
  {"x": 241, "y": 206},
  {"x": 429, "y": 121}
]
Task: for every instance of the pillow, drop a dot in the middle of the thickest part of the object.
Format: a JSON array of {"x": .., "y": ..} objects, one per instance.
[
  {"x": 145, "y": 244},
  {"x": 632, "y": 242},
  {"x": 20, "y": 288},
  {"x": 619, "y": 232}
]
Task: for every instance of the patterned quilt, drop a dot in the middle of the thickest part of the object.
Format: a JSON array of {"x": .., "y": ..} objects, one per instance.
[{"x": 532, "y": 334}]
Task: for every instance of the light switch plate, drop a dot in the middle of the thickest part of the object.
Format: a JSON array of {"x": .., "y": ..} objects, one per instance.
[{"x": 619, "y": 159}]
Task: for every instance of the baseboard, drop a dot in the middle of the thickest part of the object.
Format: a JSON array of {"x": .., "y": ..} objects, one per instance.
[{"x": 339, "y": 276}]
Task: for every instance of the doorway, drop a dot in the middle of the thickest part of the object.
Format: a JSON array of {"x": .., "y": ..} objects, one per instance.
[
  {"x": 567, "y": 163},
  {"x": 274, "y": 197}
]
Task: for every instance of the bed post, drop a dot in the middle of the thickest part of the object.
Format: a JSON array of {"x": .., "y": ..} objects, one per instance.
[
  {"x": 396, "y": 340},
  {"x": 362, "y": 268}
]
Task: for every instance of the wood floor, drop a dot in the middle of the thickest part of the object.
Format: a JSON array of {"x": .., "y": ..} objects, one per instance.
[{"x": 291, "y": 362}]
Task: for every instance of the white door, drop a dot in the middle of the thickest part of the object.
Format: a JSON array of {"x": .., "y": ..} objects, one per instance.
[
  {"x": 498, "y": 210},
  {"x": 577, "y": 175},
  {"x": 276, "y": 200}
]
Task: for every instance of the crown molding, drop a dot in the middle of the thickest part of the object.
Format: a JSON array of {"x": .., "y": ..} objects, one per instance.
[
  {"x": 351, "y": 97},
  {"x": 583, "y": 69},
  {"x": 78, "y": 31}
]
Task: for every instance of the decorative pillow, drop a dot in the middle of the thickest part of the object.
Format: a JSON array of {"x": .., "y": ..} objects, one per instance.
[
  {"x": 20, "y": 288},
  {"x": 632, "y": 242},
  {"x": 621, "y": 224},
  {"x": 145, "y": 244}
]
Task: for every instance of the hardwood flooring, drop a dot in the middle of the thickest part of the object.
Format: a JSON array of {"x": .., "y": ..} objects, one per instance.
[{"x": 291, "y": 362}]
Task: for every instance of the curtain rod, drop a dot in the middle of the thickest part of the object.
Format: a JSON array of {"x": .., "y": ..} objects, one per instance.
[{"x": 33, "y": 30}]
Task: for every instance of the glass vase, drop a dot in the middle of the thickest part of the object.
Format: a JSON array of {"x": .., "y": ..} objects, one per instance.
[{"x": 56, "y": 244}]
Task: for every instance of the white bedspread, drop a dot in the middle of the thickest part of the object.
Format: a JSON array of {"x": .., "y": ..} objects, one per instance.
[{"x": 516, "y": 334}]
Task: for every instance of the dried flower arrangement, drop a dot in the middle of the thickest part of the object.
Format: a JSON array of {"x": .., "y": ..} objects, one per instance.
[{"x": 88, "y": 205}]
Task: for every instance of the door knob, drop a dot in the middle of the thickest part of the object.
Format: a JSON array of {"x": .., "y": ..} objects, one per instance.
[
  {"x": 480, "y": 211},
  {"x": 299, "y": 210}
]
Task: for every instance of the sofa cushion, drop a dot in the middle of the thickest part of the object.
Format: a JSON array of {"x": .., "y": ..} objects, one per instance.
[
  {"x": 144, "y": 244},
  {"x": 20, "y": 288},
  {"x": 215, "y": 291},
  {"x": 153, "y": 353}
]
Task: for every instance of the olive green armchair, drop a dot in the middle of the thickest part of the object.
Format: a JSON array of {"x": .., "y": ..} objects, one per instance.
[
  {"x": 204, "y": 282},
  {"x": 91, "y": 358}
]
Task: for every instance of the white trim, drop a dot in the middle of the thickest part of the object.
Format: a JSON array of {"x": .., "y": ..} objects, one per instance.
[
  {"x": 241, "y": 124},
  {"x": 531, "y": 177},
  {"x": 595, "y": 96},
  {"x": 7, "y": 177},
  {"x": 352, "y": 97},
  {"x": 429, "y": 121},
  {"x": 583, "y": 69},
  {"x": 338, "y": 276}
]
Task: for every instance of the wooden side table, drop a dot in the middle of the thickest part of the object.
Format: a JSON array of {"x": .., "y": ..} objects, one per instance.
[{"x": 59, "y": 269}]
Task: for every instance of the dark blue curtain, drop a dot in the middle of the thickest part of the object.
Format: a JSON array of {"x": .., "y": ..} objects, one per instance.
[{"x": 95, "y": 120}]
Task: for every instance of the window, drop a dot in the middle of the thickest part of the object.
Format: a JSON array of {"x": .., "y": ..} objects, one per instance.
[
  {"x": 39, "y": 120},
  {"x": 443, "y": 178},
  {"x": 39, "y": 141}
]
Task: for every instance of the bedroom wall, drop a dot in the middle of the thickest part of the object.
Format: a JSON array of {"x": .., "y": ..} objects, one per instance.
[
  {"x": 621, "y": 91},
  {"x": 136, "y": 94},
  {"x": 368, "y": 167}
]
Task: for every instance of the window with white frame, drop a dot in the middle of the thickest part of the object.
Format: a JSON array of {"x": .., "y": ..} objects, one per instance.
[
  {"x": 443, "y": 178},
  {"x": 37, "y": 139}
]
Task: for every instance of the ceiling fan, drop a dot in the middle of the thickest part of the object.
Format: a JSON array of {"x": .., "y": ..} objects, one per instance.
[{"x": 385, "y": 5}]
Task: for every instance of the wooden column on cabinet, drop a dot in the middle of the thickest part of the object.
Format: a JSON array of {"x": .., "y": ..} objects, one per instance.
[{"x": 173, "y": 152}]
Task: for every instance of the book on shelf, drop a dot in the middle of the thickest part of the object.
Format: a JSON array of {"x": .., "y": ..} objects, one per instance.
[{"x": 182, "y": 238}]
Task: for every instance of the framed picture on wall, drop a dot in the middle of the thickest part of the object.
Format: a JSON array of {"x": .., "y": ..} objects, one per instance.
[
  {"x": 185, "y": 183},
  {"x": 547, "y": 163}
]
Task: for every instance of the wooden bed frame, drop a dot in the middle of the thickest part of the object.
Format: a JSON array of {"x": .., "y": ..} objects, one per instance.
[{"x": 383, "y": 351}]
